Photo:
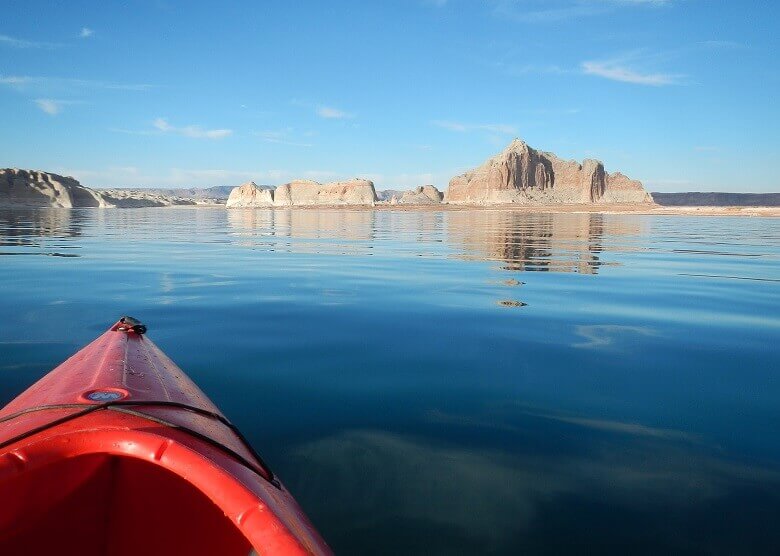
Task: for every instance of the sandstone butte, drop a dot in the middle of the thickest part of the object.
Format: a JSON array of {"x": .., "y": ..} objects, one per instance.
[
  {"x": 304, "y": 193},
  {"x": 424, "y": 195},
  {"x": 40, "y": 189},
  {"x": 521, "y": 174},
  {"x": 518, "y": 174},
  {"x": 250, "y": 194}
]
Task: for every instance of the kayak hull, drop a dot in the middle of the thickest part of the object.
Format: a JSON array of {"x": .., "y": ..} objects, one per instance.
[{"x": 119, "y": 452}]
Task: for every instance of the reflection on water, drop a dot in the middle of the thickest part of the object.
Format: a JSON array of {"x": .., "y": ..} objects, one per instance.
[
  {"x": 546, "y": 242},
  {"x": 551, "y": 242},
  {"x": 453, "y": 500},
  {"x": 24, "y": 228},
  {"x": 522, "y": 242},
  {"x": 422, "y": 389}
]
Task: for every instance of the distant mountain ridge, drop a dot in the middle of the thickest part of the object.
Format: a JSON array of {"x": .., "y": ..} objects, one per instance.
[
  {"x": 717, "y": 199},
  {"x": 195, "y": 193}
]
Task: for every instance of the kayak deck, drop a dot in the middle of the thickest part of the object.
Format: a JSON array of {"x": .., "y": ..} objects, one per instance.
[
  {"x": 117, "y": 451},
  {"x": 101, "y": 504}
]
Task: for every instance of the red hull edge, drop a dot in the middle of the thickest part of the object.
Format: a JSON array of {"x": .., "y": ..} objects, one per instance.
[{"x": 117, "y": 451}]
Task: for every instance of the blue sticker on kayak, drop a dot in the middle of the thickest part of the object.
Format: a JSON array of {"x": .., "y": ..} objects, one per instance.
[{"x": 104, "y": 396}]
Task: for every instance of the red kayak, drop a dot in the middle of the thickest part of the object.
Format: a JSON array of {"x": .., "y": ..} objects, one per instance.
[{"x": 117, "y": 452}]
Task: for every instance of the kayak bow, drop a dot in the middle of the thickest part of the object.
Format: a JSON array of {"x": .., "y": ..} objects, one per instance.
[{"x": 117, "y": 452}]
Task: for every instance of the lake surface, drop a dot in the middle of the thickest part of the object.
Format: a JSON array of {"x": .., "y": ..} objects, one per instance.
[{"x": 385, "y": 366}]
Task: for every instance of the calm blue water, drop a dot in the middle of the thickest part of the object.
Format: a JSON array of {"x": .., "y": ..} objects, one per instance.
[{"x": 382, "y": 365}]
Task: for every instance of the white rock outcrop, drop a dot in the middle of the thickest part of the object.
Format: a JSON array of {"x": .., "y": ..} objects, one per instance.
[
  {"x": 249, "y": 194},
  {"x": 521, "y": 174},
  {"x": 300, "y": 193},
  {"x": 423, "y": 195},
  {"x": 32, "y": 188},
  {"x": 312, "y": 193}
]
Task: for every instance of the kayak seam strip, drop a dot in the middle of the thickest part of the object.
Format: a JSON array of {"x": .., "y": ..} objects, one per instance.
[
  {"x": 262, "y": 469},
  {"x": 153, "y": 363}
]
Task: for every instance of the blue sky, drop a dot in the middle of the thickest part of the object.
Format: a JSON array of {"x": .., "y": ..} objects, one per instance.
[{"x": 678, "y": 93}]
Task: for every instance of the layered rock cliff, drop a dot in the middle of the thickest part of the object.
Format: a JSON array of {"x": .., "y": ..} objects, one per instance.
[
  {"x": 129, "y": 197},
  {"x": 249, "y": 194},
  {"x": 424, "y": 195},
  {"x": 141, "y": 198},
  {"x": 304, "y": 193},
  {"x": 32, "y": 188},
  {"x": 521, "y": 174}
]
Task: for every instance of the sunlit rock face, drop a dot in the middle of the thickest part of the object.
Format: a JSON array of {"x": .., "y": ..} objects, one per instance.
[
  {"x": 424, "y": 195},
  {"x": 312, "y": 193},
  {"x": 304, "y": 193},
  {"x": 32, "y": 188},
  {"x": 249, "y": 194},
  {"x": 521, "y": 174},
  {"x": 622, "y": 189}
]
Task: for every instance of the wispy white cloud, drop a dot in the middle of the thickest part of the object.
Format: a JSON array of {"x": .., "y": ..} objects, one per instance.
[
  {"x": 86, "y": 32},
  {"x": 281, "y": 136},
  {"x": 14, "y": 42},
  {"x": 67, "y": 85},
  {"x": 134, "y": 131},
  {"x": 193, "y": 131},
  {"x": 330, "y": 113},
  {"x": 451, "y": 126},
  {"x": 464, "y": 127},
  {"x": 515, "y": 69},
  {"x": 722, "y": 44},
  {"x": 533, "y": 11},
  {"x": 14, "y": 80},
  {"x": 51, "y": 106},
  {"x": 552, "y": 111},
  {"x": 323, "y": 111},
  {"x": 616, "y": 71}
]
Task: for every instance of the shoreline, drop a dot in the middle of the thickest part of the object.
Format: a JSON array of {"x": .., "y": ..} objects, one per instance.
[
  {"x": 637, "y": 209},
  {"x": 563, "y": 208}
]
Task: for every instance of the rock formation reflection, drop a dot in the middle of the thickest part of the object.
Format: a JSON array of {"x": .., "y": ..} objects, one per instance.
[
  {"x": 521, "y": 241},
  {"x": 344, "y": 231},
  {"x": 39, "y": 228},
  {"x": 552, "y": 242}
]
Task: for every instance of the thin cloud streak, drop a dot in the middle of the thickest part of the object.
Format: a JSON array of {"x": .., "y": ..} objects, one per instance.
[
  {"x": 86, "y": 32},
  {"x": 281, "y": 137},
  {"x": 22, "y": 82},
  {"x": 614, "y": 71},
  {"x": 13, "y": 42},
  {"x": 192, "y": 131},
  {"x": 323, "y": 111},
  {"x": 462, "y": 127},
  {"x": 15, "y": 80},
  {"x": 331, "y": 113},
  {"x": 50, "y": 106},
  {"x": 524, "y": 11}
]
